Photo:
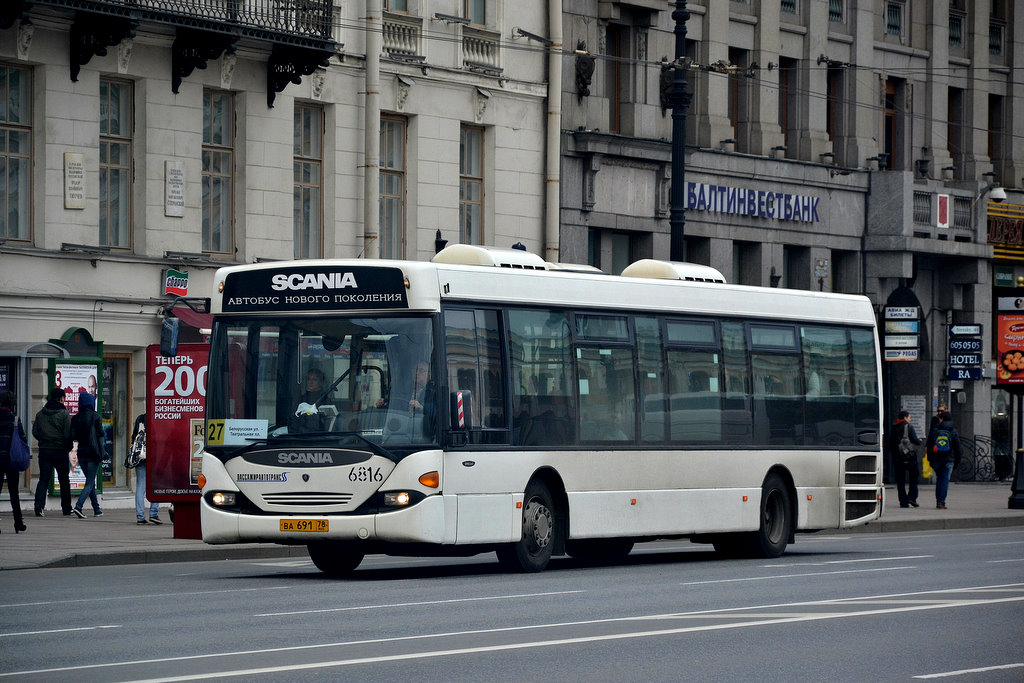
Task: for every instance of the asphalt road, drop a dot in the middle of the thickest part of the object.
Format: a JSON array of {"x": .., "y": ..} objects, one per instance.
[{"x": 893, "y": 606}]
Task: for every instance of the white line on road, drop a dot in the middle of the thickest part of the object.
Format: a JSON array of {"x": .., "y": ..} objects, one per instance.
[
  {"x": 57, "y": 630},
  {"x": 865, "y": 559},
  {"x": 964, "y": 672},
  {"x": 538, "y": 627},
  {"x": 141, "y": 597},
  {"x": 415, "y": 604},
  {"x": 793, "y": 576}
]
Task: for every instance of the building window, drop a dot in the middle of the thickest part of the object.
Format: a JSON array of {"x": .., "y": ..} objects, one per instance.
[
  {"x": 15, "y": 152},
  {"x": 955, "y": 133},
  {"x": 788, "y": 107},
  {"x": 894, "y": 22},
  {"x": 392, "y": 186},
  {"x": 475, "y": 11},
  {"x": 788, "y": 6},
  {"x": 738, "y": 103},
  {"x": 834, "y": 102},
  {"x": 995, "y": 39},
  {"x": 471, "y": 185},
  {"x": 835, "y": 11},
  {"x": 616, "y": 74},
  {"x": 115, "y": 203},
  {"x": 218, "y": 170},
  {"x": 893, "y": 132},
  {"x": 307, "y": 147},
  {"x": 996, "y": 128},
  {"x": 396, "y": 5},
  {"x": 956, "y": 28}
]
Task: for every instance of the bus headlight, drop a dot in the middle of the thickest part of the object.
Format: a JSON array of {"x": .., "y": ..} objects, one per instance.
[
  {"x": 223, "y": 499},
  {"x": 396, "y": 499}
]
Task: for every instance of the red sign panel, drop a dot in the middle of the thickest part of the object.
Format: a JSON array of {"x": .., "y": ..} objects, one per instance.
[
  {"x": 175, "y": 406},
  {"x": 1010, "y": 349}
]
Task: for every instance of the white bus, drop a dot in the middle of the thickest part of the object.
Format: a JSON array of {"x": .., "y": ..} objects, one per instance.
[{"x": 488, "y": 401}]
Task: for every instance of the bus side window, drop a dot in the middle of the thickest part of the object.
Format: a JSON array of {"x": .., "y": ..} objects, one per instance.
[{"x": 474, "y": 352}]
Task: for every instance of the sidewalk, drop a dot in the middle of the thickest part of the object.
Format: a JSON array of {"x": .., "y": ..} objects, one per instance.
[{"x": 115, "y": 538}]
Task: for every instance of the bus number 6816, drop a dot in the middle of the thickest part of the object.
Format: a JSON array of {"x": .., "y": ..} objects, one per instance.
[{"x": 365, "y": 474}]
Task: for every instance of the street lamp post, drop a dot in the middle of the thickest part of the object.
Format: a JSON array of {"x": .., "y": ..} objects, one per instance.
[{"x": 679, "y": 99}]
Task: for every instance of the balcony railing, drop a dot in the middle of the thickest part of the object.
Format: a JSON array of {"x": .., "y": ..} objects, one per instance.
[
  {"x": 402, "y": 35},
  {"x": 480, "y": 49},
  {"x": 306, "y": 18}
]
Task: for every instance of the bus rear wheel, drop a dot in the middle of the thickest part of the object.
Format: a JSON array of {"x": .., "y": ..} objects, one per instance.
[
  {"x": 335, "y": 558},
  {"x": 532, "y": 552},
  {"x": 774, "y": 530}
]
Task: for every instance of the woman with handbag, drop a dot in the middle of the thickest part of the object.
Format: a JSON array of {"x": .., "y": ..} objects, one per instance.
[
  {"x": 137, "y": 458},
  {"x": 87, "y": 428},
  {"x": 10, "y": 429}
]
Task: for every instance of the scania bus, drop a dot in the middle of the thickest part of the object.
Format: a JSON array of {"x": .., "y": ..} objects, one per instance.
[{"x": 488, "y": 401}]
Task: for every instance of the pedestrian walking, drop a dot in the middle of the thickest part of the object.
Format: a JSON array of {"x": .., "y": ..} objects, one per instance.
[
  {"x": 139, "y": 451},
  {"x": 903, "y": 443},
  {"x": 10, "y": 429},
  {"x": 51, "y": 429},
  {"x": 943, "y": 448},
  {"x": 87, "y": 429}
]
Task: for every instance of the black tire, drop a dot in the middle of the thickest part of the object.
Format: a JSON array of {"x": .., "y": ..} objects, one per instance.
[
  {"x": 599, "y": 551},
  {"x": 776, "y": 526},
  {"x": 334, "y": 558},
  {"x": 533, "y": 551}
]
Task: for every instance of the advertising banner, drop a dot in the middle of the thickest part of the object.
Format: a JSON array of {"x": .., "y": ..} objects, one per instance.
[
  {"x": 175, "y": 404},
  {"x": 75, "y": 378},
  {"x": 1010, "y": 349}
]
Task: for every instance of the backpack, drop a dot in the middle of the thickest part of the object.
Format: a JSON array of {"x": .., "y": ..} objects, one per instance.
[
  {"x": 137, "y": 452},
  {"x": 943, "y": 441},
  {"x": 906, "y": 446}
]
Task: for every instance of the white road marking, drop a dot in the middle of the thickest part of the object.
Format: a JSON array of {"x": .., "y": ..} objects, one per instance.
[
  {"x": 793, "y": 576},
  {"x": 963, "y": 672},
  {"x": 414, "y": 604},
  {"x": 141, "y": 597},
  {"x": 58, "y": 630},
  {"x": 702, "y": 613},
  {"x": 865, "y": 559}
]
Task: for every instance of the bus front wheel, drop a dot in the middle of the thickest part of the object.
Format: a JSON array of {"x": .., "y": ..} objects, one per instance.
[
  {"x": 533, "y": 551},
  {"x": 334, "y": 558}
]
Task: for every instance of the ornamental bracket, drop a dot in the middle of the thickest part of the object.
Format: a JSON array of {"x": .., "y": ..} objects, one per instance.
[
  {"x": 289, "y": 64},
  {"x": 92, "y": 34},
  {"x": 193, "y": 48}
]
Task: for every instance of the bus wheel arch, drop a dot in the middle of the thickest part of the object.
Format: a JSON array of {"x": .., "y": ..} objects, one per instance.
[
  {"x": 777, "y": 521},
  {"x": 544, "y": 523}
]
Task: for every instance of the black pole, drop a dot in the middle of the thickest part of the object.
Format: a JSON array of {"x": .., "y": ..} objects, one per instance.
[
  {"x": 680, "y": 101},
  {"x": 1016, "y": 501}
]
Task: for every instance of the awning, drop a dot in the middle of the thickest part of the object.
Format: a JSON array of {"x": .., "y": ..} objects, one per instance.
[{"x": 200, "y": 321}]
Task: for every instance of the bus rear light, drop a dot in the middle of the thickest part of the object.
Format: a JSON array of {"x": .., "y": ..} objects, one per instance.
[
  {"x": 223, "y": 499},
  {"x": 431, "y": 479},
  {"x": 396, "y": 499},
  {"x": 810, "y": 496},
  {"x": 201, "y": 480}
]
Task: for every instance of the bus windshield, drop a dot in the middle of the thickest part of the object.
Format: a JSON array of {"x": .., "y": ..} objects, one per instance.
[{"x": 369, "y": 377}]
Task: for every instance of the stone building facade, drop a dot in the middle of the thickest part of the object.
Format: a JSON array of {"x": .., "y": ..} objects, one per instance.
[
  {"x": 841, "y": 145},
  {"x": 144, "y": 142}
]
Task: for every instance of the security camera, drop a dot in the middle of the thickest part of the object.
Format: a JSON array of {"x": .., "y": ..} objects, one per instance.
[{"x": 998, "y": 194}]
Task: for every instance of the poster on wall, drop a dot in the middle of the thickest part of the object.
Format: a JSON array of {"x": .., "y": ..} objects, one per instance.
[
  {"x": 75, "y": 378},
  {"x": 175, "y": 406},
  {"x": 1009, "y": 336}
]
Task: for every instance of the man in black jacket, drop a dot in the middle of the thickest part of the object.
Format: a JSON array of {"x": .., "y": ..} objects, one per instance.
[{"x": 52, "y": 432}]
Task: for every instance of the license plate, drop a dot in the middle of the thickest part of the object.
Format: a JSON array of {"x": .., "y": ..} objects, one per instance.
[{"x": 304, "y": 525}]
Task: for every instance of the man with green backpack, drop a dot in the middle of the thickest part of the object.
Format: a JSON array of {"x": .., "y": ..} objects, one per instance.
[{"x": 943, "y": 448}]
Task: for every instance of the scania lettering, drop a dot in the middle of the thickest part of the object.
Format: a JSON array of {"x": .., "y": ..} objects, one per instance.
[
  {"x": 486, "y": 401},
  {"x": 314, "y": 281},
  {"x": 304, "y": 458}
]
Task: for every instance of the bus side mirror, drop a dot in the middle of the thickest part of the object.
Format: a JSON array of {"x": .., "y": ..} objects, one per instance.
[
  {"x": 169, "y": 337},
  {"x": 461, "y": 410}
]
